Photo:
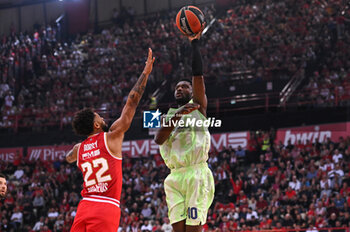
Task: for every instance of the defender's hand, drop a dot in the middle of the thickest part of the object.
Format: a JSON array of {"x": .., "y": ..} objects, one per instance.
[
  {"x": 186, "y": 109},
  {"x": 149, "y": 63}
]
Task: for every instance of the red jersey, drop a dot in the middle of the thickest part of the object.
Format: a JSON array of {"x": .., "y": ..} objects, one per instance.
[{"x": 102, "y": 172}]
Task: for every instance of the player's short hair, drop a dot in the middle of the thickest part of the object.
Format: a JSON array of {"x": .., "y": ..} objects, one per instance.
[
  {"x": 185, "y": 79},
  {"x": 83, "y": 122},
  {"x": 2, "y": 175}
]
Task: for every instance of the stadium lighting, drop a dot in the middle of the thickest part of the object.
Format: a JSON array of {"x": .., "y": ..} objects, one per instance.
[{"x": 61, "y": 16}]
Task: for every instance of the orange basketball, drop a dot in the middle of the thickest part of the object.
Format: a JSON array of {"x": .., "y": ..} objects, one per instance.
[{"x": 189, "y": 20}]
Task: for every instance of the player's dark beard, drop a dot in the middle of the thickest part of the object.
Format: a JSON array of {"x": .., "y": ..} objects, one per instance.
[
  {"x": 105, "y": 128},
  {"x": 2, "y": 197},
  {"x": 183, "y": 101}
]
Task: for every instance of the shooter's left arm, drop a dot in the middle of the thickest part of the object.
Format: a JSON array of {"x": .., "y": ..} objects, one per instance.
[{"x": 198, "y": 86}]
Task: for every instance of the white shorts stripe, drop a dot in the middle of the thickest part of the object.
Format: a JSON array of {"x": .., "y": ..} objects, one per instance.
[
  {"x": 103, "y": 197},
  {"x": 98, "y": 200}
]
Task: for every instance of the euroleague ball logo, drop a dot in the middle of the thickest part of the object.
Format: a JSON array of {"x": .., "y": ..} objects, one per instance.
[
  {"x": 201, "y": 17},
  {"x": 183, "y": 25}
]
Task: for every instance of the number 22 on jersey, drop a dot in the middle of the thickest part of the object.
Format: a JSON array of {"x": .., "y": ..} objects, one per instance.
[{"x": 88, "y": 170}]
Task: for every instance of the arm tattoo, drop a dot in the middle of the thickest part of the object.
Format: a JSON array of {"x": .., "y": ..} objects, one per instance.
[
  {"x": 69, "y": 155},
  {"x": 139, "y": 88}
]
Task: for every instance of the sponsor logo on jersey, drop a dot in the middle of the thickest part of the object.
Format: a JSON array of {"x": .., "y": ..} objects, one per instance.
[
  {"x": 91, "y": 154},
  {"x": 98, "y": 188}
]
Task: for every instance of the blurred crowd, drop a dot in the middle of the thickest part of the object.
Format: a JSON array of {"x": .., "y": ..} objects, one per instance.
[
  {"x": 306, "y": 40},
  {"x": 44, "y": 79},
  {"x": 267, "y": 185},
  {"x": 275, "y": 186}
]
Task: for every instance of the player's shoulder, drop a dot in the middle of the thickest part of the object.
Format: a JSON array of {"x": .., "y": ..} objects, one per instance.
[{"x": 115, "y": 134}]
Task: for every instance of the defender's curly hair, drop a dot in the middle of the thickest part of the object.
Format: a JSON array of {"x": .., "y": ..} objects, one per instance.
[
  {"x": 83, "y": 122},
  {"x": 2, "y": 175}
]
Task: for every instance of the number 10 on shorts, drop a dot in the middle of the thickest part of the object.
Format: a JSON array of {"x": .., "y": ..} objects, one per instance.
[{"x": 192, "y": 213}]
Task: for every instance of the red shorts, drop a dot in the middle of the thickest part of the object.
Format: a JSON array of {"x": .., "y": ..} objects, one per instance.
[{"x": 96, "y": 216}]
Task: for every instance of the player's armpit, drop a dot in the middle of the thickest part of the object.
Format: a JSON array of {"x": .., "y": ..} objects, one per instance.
[{"x": 72, "y": 155}]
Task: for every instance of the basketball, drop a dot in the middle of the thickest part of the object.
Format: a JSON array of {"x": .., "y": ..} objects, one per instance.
[{"x": 189, "y": 20}]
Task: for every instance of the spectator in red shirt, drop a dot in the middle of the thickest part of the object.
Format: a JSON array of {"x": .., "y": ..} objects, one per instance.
[
  {"x": 279, "y": 227},
  {"x": 224, "y": 207},
  {"x": 264, "y": 224},
  {"x": 300, "y": 145},
  {"x": 64, "y": 207},
  {"x": 225, "y": 224},
  {"x": 240, "y": 198},
  {"x": 45, "y": 229},
  {"x": 261, "y": 204},
  {"x": 9, "y": 200},
  {"x": 345, "y": 190},
  {"x": 237, "y": 185},
  {"x": 272, "y": 169},
  {"x": 232, "y": 226},
  {"x": 311, "y": 211},
  {"x": 290, "y": 195}
]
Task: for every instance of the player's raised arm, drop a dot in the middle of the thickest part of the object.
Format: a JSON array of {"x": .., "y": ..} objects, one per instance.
[
  {"x": 198, "y": 86},
  {"x": 71, "y": 156},
  {"x": 128, "y": 112}
]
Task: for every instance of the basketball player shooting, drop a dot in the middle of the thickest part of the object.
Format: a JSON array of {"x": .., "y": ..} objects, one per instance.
[
  {"x": 99, "y": 157},
  {"x": 189, "y": 187}
]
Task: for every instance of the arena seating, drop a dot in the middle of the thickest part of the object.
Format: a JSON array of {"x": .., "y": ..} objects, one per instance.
[
  {"x": 266, "y": 186},
  {"x": 43, "y": 80}
]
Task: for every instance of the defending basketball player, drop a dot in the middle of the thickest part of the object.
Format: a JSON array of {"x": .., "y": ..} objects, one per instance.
[
  {"x": 189, "y": 187},
  {"x": 3, "y": 186},
  {"x": 99, "y": 157}
]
